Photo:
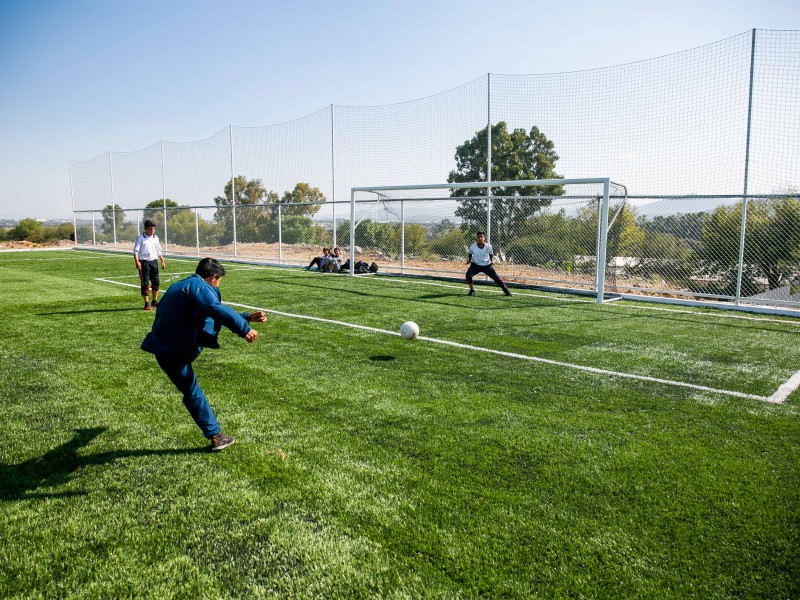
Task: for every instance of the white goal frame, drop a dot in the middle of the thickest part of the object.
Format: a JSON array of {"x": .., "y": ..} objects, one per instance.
[{"x": 603, "y": 225}]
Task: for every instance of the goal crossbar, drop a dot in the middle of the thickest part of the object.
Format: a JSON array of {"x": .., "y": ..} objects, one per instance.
[{"x": 486, "y": 184}]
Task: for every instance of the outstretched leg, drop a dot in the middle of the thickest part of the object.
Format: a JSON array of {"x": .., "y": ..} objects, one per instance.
[{"x": 497, "y": 279}]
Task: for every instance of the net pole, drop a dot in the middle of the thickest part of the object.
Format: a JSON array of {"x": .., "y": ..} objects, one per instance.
[
  {"x": 280, "y": 235},
  {"x": 599, "y": 228},
  {"x": 72, "y": 197},
  {"x": 94, "y": 232},
  {"x": 333, "y": 173},
  {"x": 743, "y": 227},
  {"x": 164, "y": 198},
  {"x": 601, "y": 256},
  {"x": 197, "y": 230},
  {"x": 113, "y": 203},
  {"x": 402, "y": 237},
  {"x": 233, "y": 192},
  {"x": 489, "y": 158},
  {"x": 352, "y": 232}
]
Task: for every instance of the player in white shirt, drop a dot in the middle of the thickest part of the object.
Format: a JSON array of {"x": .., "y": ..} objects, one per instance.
[
  {"x": 146, "y": 254},
  {"x": 480, "y": 261}
]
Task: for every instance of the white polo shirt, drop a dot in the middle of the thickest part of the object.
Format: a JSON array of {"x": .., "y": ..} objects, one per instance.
[
  {"x": 481, "y": 256},
  {"x": 147, "y": 248}
]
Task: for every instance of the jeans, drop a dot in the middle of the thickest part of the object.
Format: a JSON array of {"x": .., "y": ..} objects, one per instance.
[{"x": 178, "y": 367}]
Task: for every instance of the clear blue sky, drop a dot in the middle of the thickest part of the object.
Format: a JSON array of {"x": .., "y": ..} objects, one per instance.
[{"x": 80, "y": 78}]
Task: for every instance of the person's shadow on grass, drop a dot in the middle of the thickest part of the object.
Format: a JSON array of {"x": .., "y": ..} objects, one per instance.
[{"x": 19, "y": 482}]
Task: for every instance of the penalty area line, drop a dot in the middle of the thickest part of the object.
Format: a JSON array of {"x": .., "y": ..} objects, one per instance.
[
  {"x": 786, "y": 389},
  {"x": 547, "y": 361}
]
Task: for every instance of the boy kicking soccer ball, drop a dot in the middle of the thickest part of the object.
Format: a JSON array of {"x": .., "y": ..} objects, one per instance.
[{"x": 189, "y": 319}]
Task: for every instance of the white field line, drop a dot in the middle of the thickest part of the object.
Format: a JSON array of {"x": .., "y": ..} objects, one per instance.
[
  {"x": 538, "y": 359},
  {"x": 783, "y": 392}
]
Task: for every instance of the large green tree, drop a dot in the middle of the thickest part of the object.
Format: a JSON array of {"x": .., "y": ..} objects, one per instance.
[{"x": 516, "y": 155}]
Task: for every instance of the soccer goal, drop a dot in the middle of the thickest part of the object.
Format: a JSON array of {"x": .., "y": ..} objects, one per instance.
[{"x": 552, "y": 233}]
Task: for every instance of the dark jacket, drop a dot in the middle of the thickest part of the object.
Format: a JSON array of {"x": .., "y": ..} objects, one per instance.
[{"x": 189, "y": 317}]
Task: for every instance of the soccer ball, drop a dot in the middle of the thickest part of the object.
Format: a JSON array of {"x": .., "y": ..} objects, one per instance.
[{"x": 409, "y": 330}]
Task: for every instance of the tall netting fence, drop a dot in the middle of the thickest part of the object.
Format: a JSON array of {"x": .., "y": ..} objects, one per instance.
[{"x": 700, "y": 138}]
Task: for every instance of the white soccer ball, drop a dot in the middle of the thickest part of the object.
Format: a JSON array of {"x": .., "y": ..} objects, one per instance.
[{"x": 409, "y": 330}]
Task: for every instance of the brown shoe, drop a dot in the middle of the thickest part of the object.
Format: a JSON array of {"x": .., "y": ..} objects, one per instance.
[{"x": 220, "y": 441}]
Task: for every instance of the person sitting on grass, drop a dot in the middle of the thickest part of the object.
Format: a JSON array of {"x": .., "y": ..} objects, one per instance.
[
  {"x": 480, "y": 261},
  {"x": 320, "y": 261},
  {"x": 334, "y": 265},
  {"x": 189, "y": 319}
]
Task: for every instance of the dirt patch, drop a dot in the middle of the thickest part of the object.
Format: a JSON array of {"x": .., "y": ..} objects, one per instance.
[{"x": 26, "y": 245}]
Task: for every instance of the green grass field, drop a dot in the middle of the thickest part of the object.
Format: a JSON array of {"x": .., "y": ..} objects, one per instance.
[{"x": 368, "y": 466}]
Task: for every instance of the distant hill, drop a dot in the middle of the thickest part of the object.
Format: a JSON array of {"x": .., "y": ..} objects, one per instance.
[{"x": 8, "y": 223}]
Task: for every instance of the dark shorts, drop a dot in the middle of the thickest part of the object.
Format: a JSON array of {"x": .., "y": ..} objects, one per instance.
[
  {"x": 486, "y": 270},
  {"x": 149, "y": 273}
]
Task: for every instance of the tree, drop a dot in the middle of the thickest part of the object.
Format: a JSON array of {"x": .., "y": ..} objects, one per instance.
[
  {"x": 441, "y": 228},
  {"x": 28, "y": 229},
  {"x": 371, "y": 234},
  {"x": 414, "y": 238},
  {"x": 248, "y": 192},
  {"x": 625, "y": 237},
  {"x": 112, "y": 215},
  {"x": 298, "y": 229},
  {"x": 63, "y": 231},
  {"x": 451, "y": 244},
  {"x": 155, "y": 211},
  {"x": 772, "y": 244},
  {"x": 302, "y": 193},
  {"x": 183, "y": 227},
  {"x": 668, "y": 246},
  {"x": 550, "y": 240},
  {"x": 518, "y": 155}
]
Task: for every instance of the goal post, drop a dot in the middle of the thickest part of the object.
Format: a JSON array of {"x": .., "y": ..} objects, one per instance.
[{"x": 546, "y": 232}]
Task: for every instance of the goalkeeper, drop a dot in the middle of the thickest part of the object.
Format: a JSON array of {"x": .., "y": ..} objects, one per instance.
[
  {"x": 189, "y": 319},
  {"x": 480, "y": 261}
]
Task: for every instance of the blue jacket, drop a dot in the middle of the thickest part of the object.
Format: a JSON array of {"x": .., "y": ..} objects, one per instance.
[{"x": 189, "y": 317}]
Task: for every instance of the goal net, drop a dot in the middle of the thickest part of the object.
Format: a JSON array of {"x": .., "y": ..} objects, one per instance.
[{"x": 559, "y": 233}]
